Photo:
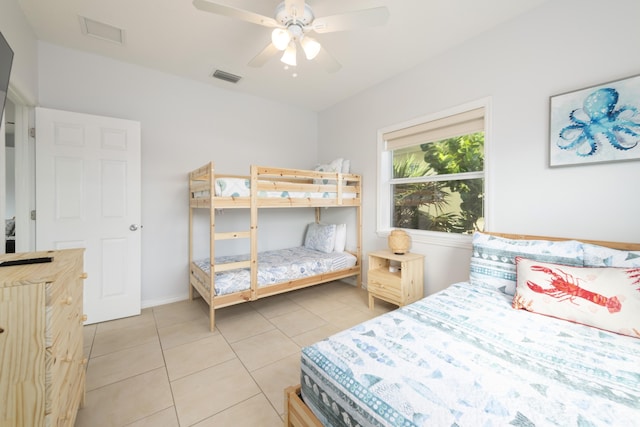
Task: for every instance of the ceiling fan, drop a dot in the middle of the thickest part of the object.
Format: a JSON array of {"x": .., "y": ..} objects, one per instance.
[{"x": 293, "y": 21}]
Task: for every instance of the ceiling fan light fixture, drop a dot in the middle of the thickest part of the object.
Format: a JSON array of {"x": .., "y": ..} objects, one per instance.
[
  {"x": 289, "y": 56},
  {"x": 292, "y": 20},
  {"x": 280, "y": 38},
  {"x": 311, "y": 47}
]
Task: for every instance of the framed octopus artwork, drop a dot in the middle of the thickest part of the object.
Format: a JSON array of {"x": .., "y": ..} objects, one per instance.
[{"x": 596, "y": 124}]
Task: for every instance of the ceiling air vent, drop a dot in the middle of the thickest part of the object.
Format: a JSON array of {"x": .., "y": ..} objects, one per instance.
[
  {"x": 100, "y": 30},
  {"x": 227, "y": 77}
]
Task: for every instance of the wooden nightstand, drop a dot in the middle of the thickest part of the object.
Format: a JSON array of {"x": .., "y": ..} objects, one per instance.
[{"x": 400, "y": 287}]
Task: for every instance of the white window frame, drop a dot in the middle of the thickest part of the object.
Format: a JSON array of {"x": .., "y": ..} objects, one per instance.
[{"x": 383, "y": 223}]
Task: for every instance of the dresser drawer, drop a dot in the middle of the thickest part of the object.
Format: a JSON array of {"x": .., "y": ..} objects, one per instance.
[
  {"x": 68, "y": 385},
  {"x": 64, "y": 354},
  {"x": 67, "y": 367},
  {"x": 74, "y": 390},
  {"x": 63, "y": 300}
]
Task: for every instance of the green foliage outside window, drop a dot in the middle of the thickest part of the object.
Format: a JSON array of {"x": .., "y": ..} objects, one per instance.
[{"x": 443, "y": 200}]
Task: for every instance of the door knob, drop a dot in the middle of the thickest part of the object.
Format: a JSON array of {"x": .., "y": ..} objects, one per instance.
[{"x": 133, "y": 227}]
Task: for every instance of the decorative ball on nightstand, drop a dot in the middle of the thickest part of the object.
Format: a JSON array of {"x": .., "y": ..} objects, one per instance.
[{"x": 399, "y": 242}]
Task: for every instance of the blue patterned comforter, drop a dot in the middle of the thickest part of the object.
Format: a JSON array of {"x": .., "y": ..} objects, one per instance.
[
  {"x": 276, "y": 266},
  {"x": 241, "y": 187},
  {"x": 464, "y": 357}
]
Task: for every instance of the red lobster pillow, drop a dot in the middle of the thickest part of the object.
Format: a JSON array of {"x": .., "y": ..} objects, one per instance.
[{"x": 606, "y": 298}]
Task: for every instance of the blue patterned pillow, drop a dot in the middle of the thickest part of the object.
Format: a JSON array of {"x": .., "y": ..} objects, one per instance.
[
  {"x": 601, "y": 256},
  {"x": 493, "y": 259},
  {"x": 320, "y": 237}
]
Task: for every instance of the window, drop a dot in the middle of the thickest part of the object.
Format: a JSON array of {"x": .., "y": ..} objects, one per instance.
[{"x": 433, "y": 173}]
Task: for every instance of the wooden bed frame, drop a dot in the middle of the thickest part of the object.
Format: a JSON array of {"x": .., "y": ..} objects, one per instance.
[
  {"x": 202, "y": 196},
  {"x": 298, "y": 414}
]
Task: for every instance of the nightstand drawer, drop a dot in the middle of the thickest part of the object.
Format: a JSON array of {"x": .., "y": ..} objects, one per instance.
[
  {"x": 384, "y": 289},
  {"x": 385, "y": 276}
]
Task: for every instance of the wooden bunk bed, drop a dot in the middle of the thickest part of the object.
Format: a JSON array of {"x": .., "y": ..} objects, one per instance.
[{"x": 266, "y": 187}]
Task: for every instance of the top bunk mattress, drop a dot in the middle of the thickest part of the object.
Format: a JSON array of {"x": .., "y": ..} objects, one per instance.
[
  {"x": 464, "y": 357},
  {"x": 276, "y": 266},
  {"x": 241, "y": 187}
]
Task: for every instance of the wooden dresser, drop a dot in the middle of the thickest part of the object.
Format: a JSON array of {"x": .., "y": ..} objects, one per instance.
[{"x": 42, "y": 366}]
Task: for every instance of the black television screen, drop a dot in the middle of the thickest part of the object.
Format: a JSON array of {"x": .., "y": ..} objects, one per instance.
[{"x": 6, "y": 59}]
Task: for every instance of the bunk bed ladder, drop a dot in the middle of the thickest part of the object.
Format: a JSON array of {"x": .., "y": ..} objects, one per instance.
[
  {"x": 216, "y": 267},
  {"x": 212, "y": 248},
  {"x": 254, "y": 232},
  {"x": 190, "y": 235}
]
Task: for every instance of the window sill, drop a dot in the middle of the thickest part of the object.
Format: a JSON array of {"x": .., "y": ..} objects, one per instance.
[{"x": 453, "y": 240}]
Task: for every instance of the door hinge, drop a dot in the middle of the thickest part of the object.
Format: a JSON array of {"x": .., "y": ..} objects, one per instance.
[
  {"x": 33, "y": 215},
  {"x": 32, "y": 132}
]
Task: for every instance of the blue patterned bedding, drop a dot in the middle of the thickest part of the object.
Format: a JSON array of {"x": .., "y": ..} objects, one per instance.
[
  {"x": 276, "y": 266},
  {"x": 240, "y": 187},
  {"x": 464, "y": 357}
]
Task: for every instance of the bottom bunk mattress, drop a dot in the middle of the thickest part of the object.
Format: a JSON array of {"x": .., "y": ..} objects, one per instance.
[
  {"x": 276, "y": 266},
  {"x": 464, "y": 357}
]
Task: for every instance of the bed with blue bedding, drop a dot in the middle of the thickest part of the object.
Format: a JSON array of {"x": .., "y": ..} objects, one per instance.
[
  {"x": 470, "y": 355},
  {"x": 275, "y": 266}
]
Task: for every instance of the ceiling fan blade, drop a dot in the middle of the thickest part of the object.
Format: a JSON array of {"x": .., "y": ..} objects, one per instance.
[
  {"x": 232, "y": 12},
  {"x": 267, "y": 53},
  {"x": 327, "y": 61},
  {"x": 350, "y": 20}
]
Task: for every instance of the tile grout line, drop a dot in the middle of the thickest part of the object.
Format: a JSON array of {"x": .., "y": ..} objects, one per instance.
[
  {"x": 155, "y": 311},
  {"x": 166, "y": 370}
]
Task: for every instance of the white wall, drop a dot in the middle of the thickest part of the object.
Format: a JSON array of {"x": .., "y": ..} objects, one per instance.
[
  {"x": 22, "y": 39},
  {"x": 562, "y": 46},
  {"x": 185, "y": 124},
  {"x": 23, "y": 86}
]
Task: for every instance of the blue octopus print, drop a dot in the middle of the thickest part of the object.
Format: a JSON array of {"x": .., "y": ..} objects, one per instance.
[{"x": 597, "y": 121}]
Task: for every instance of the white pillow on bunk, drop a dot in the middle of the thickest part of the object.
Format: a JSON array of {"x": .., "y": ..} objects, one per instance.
[
  {"x": 346, "y": 166},
  {"x": 320, "y": 237},
  {"x": 341, "y": 238},
  {"x": 335, "y": 167}
]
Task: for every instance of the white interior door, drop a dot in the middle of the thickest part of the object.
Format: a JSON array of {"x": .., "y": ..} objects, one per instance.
[{"x": 88, "y": 195}]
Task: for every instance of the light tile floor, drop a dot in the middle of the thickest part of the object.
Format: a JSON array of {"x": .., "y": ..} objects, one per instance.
[{"x": 165, "y": 368}]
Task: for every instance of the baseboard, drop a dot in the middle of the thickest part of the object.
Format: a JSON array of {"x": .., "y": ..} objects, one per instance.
[
  {"x": 350, "y": 280},
  {"x": 157, "y": 302}
]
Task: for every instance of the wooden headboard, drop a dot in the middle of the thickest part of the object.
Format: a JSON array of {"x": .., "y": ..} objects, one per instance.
[{"x": 615, "y": 245}]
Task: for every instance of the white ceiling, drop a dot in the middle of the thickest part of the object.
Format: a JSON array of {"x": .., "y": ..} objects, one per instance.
[{"x": 174, "y": 37}]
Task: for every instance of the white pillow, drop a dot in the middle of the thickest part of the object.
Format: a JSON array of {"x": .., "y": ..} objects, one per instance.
[
  {"x": 346, "y": 166},
  {"x": 341, "y": 238},
  {"x": 334, "y": 167},
  {"x": 603, "y": 297},
  {"x": 320, "y": 237}
]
